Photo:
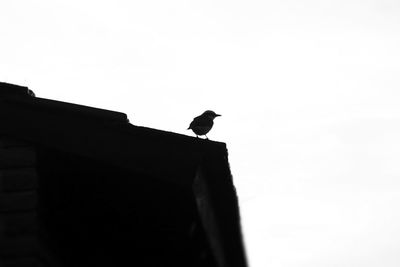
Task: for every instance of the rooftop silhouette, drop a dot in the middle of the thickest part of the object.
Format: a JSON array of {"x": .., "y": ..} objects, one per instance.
[{"x": 81, "y": 186}]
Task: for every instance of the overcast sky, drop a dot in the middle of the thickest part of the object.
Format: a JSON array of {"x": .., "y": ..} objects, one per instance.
[{"x": 308, "y": 90}]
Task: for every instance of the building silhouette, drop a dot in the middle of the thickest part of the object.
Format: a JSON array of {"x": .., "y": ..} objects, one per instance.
[{"x": 81, "y": 186}]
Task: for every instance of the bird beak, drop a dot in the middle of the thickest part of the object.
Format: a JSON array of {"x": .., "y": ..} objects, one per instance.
[{"x": 217, "y": 115}]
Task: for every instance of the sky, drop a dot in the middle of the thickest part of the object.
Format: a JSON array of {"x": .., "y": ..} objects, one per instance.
[{"x": 308, "y": 92}]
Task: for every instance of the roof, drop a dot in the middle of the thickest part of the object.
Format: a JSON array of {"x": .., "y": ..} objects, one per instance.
[{"x": 198, "y": 167}]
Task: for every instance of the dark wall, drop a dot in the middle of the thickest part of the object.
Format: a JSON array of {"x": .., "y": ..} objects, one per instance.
[{"x": 99, "y": 215}]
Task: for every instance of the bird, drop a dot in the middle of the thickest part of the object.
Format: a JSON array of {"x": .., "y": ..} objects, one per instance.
[{"x": 202, "y": 124}]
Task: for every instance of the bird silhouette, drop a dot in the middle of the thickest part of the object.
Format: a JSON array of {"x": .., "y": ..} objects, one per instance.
[{"x": 202, "y": 124}]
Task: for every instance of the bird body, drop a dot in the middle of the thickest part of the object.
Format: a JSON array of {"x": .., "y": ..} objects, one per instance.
[{"x": 202, "y": 124}]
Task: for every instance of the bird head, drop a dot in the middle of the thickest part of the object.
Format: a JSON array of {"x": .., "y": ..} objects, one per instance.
[{"x": 211, "y": 114}]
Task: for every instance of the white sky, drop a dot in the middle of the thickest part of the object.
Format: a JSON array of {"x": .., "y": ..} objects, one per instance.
[{"x": 308, "y": 91}]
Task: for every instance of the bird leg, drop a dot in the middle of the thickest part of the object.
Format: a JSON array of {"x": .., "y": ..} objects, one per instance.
[{"x": 206, "y": 137}]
